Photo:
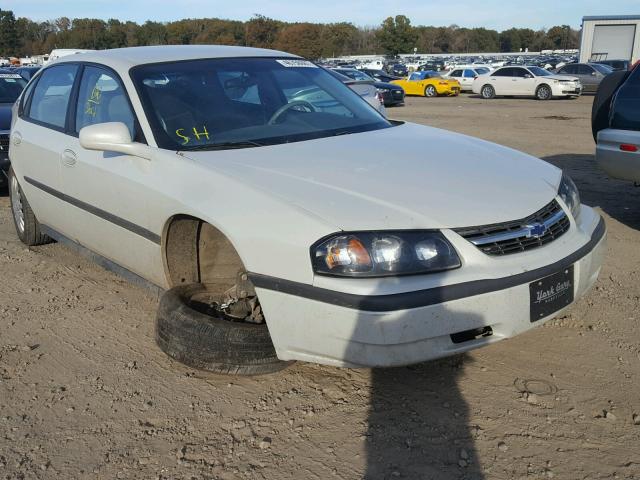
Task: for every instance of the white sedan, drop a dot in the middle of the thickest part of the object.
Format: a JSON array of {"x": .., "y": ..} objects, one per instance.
[
  {"x": 279, "y": 225},
  {"x": 527, "y": 82},
  {"x": 466, "y": 74}
]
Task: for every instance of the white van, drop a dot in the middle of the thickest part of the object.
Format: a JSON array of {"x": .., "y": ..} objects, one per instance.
[{"x": 63, "y": 52}]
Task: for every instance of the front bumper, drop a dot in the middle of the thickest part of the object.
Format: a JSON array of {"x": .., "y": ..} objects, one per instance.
[
  {"x": 572, "y": 89},
  {"x": 450, "y": 91},
  {"x": 320, "y": 325}
]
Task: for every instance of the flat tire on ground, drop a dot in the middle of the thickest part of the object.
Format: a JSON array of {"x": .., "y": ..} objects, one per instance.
[{"x": 211, "y": 343}]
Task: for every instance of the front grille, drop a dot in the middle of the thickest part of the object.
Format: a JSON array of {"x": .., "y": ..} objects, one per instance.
[
  {"x": 531, "y": 232},
  {"x": 4, "y": 143}
]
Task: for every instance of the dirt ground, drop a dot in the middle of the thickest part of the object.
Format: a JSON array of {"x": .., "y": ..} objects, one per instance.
[{"x": 85, "y": 393}]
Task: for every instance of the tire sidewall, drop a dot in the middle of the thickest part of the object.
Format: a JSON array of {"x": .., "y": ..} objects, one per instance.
[
  {"x": 430, "y": 91},
  {"x": 212, "y": 343},
  {"x": 487, "y": 92},
  {"x": 22, "y": 235},
  {"x": 542, "y": 88}
]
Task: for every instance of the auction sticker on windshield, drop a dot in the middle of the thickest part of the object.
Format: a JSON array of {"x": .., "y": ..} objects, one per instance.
[
  {"x": 550, "y": 294},
  {"x": 297, "y": 63}
]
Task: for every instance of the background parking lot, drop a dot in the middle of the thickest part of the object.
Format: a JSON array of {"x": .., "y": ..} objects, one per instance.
[{"x": 85, "y": 393}]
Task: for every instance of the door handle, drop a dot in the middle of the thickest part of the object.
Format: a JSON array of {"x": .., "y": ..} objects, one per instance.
[
  {"x": 69, "y": 158},
  {"x": 16, "y": 138}
]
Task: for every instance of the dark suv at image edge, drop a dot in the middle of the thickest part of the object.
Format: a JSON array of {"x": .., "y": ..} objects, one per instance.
[{"x": 11, "y": 85}]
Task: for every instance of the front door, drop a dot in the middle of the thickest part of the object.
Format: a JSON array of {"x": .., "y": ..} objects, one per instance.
[
  {"x": 522, "y": 82},
  {"x": 108, "y": 190}
]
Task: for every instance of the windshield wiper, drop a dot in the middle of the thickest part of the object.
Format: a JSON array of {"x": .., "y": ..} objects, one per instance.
[{"x": 224, "y": 146}]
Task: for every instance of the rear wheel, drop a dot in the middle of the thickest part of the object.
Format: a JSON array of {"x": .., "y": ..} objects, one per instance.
[
  {"x": 487, "y": 92},
  {"x": 27, "y": 225},
  {"x": 430, "y": 91},
  {"x": 544, "y": 92}
]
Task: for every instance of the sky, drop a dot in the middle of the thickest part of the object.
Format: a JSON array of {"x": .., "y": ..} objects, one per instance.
[{"x": 495, "y": 14}]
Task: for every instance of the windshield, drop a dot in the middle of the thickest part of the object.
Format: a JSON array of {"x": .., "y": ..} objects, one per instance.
[
  {"x": 603, "y": 69},
  {"x": 539, "y": 72},
  {"x": 11, "y": 86},
  {"x": 244, "y": 102},
  {"x": 482, "y": 70},
  {"x": 355, "y": 75}
]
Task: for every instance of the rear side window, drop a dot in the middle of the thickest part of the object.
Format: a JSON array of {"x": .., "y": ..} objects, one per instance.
[
  {"x": 469, "y": 74},
  {"x": 503, "y": 72},
  {"x": 101, "y": 99},
  {"x": 625, "y": 111},
  {"x": 584, "y": 70},
  {"x": 51, "y": 95}
]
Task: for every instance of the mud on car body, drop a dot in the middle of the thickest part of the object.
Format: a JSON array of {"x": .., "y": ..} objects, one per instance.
[{"x": 292, "y": 221}]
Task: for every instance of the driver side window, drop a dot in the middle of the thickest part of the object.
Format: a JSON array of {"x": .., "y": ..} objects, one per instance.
[{"x": 102, "y": 99}]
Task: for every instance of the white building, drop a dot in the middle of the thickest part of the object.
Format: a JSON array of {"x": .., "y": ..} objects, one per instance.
[{"x": 615, "y": 37}]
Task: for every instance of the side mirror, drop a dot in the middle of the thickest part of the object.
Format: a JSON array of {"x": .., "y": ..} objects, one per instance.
[
  {"x": 112, "y": 137},
  {"x": 526, "y": 75},
  {"x": 593, "y": 73}
]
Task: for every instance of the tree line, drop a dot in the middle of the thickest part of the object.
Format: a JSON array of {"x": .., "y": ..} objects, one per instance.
[{"x": 24, "y": 37}]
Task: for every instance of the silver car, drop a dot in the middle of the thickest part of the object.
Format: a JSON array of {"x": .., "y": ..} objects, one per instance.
[{"x": 590, "y": 74}]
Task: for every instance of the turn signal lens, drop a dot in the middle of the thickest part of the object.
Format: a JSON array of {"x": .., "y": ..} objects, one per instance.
[{"x": 346, "y": 253}]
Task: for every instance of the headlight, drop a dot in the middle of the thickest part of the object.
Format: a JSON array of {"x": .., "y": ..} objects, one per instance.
[
  {"x": 570, "y": 195},
  {"x": 381, "y": 254},
  {"x": 383, "y": 90}
]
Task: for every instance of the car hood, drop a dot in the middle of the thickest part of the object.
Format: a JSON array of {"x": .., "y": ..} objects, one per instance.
[
  {"x": 404, "y": 177},
  {"x": 5, "y": 116}
]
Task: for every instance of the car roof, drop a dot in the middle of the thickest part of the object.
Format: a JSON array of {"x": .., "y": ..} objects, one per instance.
[{"x": 125, "y": 58}]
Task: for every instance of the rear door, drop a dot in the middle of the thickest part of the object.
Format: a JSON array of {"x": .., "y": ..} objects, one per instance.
[
  {"x": 588, "y": 76},
  {"x": 457, "y": 74},
  {"x": 39, "y": 140},
  {"x": 467, "y": 79},
  {"x": 501, "y": 81}
]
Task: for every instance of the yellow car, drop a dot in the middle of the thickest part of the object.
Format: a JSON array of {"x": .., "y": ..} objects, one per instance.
[{"x": 428, "y": 84}]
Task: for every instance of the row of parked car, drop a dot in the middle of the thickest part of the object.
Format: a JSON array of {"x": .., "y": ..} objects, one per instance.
[{"x": 569, "y": 81}]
